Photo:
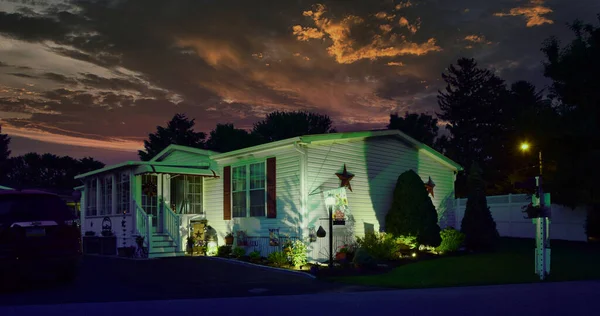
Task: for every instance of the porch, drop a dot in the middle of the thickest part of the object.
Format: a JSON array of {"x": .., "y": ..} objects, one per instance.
[{"x": 153, "y": 201}]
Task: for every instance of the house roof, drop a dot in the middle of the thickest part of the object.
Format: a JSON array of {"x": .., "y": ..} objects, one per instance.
[
  {"x": 364, "y": 134},
  {"x": 153, "y": 164},
  {"x": 149, "y": 166},
  {"x": 167, "y": 151},
  {"x": 317, "y": 138}
]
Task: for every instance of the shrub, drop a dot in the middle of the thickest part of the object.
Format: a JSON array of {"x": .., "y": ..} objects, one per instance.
[
  {"x": 254, "y": 255},
  {"x": 238, "y": 252},
  {"x": 412, "y": 211},
  {"x": 451, "y": 240},
  {"x": 224, "y": 251},
  {"x": 362, "y": 258},
  {"x": 296, "y": 253},
  {"x": 478, "y": 224},
  {"x": 407, "y": 242},
  {"x": 278, "y": 258},
  {"x": 380, "y": 246}
]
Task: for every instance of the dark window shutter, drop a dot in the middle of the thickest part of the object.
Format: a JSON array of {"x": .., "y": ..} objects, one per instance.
[
  {"x": 227, "y": 193},
  {"x": 271, "y": 188}
]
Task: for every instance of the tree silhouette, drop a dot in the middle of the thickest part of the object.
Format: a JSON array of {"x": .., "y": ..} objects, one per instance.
[
  {"x": 573, "y": 69},
  {"x": 179, "y": 131},
  {"x": 281, "y": 125},
  {"x": 421, "y": 127},
  {"x": 225, "y": 137}
]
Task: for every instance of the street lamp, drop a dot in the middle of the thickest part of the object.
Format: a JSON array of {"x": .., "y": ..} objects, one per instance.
[
  {"x": 542, "y": 254},
  {"x": 330, "y": 201}
]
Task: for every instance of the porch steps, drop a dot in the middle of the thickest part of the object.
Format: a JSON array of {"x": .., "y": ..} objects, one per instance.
[{"x": 163, "y": 246}]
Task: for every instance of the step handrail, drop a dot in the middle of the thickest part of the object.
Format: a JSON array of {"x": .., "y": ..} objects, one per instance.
[
  {"x": 172, "y": 224},
  {"x": 143, "y": 225}
]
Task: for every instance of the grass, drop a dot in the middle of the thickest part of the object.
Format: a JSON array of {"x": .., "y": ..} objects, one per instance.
[{"x": 513, "y": 262}]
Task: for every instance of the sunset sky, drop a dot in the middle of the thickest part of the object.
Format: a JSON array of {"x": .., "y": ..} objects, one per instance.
[{"x": 93, "y": 78}]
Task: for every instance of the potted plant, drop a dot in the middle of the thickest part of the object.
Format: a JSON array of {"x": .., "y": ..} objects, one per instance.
[
  {"x": 191, "y": 241},
  {"x": 229, "y": 239},
  {"x": 342, "y": 253}
]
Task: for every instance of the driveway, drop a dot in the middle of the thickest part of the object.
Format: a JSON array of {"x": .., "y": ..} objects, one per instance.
[{"x": 104, "y": 279}]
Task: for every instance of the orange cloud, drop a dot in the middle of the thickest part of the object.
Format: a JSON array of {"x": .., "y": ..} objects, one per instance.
[
  {"x": 534, "y": 13},
  {"x": 395, "y": 63},
  {"x": 343, "y": 47},
  {"x": 307, "y": 33},
  {"x": 477, "y": 39},
  {"x": 413, "y": 28},
  {"x": 403, "y": 5}
]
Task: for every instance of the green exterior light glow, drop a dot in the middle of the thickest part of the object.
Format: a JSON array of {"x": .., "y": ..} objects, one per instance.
[{"x": 525, "y": 146}]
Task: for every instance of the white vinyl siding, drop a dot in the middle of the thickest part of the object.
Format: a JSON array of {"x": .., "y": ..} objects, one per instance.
[
  {"x": 289, "y": 213},
  {"x": 376, "y": 164}
]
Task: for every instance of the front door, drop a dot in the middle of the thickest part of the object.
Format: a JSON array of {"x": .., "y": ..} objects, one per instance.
[{"x": 150, "y": 197}]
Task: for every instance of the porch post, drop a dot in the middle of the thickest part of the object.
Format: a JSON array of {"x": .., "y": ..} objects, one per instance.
[
  {"x": 83, "y": 208},
  {"x": 132, "y": 208},
  {"x": 115, "y": 196},
  {"x": 98, "y": 195}
]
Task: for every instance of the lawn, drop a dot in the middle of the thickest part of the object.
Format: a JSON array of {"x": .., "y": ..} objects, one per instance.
[{"x": 513, "y": 262}]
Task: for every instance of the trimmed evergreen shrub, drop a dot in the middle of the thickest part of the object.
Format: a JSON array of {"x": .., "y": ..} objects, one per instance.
[
  {"x": 478, "y": 224},
  {"x": 412, "y": 211}
]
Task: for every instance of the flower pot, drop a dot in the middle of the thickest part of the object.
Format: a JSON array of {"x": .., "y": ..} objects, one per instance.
[
  {"x": 340, "y": 256},
  {"x": 229, "y": 240}
]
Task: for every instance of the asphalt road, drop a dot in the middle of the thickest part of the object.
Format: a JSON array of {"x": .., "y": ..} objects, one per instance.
[
  {"x": 104, "y": 279},
  {"x": 566, "y": 298}
]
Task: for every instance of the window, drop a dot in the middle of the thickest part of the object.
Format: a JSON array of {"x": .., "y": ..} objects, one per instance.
[
  {"x": 194, "y": 194},
  {"x": 91, "y": 197},
  {"x": 106, "y": 196},
  {"x": 186, "y": 194},
  {"x": 248, "y": 190},
  {"x": 123, "y": 194}
]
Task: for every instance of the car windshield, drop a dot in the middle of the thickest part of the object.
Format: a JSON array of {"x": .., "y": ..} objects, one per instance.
[{"x": 30, "y": 207}]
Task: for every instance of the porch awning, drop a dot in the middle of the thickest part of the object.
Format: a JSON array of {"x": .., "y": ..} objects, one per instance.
[{"x": 187, "y": 170}]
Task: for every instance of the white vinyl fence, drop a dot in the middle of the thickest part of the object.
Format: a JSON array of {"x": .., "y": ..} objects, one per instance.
[{"x": 565, "y": 224}]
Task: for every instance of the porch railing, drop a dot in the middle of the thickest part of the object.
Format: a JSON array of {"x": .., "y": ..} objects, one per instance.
[
  {"x": 171, "y": 224},
  {"x": 143, "y": 223}
]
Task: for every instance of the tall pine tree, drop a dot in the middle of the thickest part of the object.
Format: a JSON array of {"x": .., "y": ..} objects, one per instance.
[
  {"x": 472, "y": 106},
  {"x": 478, "y": 224},
  {"x": 179, "y": 131}
]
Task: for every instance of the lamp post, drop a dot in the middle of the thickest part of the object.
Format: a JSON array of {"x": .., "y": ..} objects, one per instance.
[
  {"x": 330, "y": 201},
  {"x": 542, "y": 253}
]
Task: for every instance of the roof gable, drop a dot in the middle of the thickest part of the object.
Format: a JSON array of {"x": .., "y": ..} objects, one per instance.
[{"x": 174, "y": 148}]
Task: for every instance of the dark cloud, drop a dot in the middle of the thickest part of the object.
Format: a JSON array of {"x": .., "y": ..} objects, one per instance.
[
  {"x": 59, "y": 78},
  {"x": 22, "y": 75},
  {"x": 235, "y": 60}
]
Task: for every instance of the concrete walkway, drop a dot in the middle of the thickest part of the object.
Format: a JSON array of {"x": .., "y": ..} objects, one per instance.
[{"x": 566, "y": 298}]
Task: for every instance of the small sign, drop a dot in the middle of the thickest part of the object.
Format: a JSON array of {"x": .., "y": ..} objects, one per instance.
[{"x": 337, "y": 201}]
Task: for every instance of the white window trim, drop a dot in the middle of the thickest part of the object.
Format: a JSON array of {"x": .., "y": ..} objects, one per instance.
[
  {"x": 247, "y": 190},
  {"x": 121, "y": 184}
]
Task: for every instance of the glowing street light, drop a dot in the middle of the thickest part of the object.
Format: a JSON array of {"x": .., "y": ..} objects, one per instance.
[{"x": 524, "y": 146}]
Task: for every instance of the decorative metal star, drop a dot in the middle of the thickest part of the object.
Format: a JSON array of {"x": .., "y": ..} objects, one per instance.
[
  {"x": 429, "y": 187},
  {"x": 345, "y": 177}
]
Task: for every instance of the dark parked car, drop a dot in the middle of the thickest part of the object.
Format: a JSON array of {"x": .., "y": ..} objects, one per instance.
[{"x": 39, "y": 237}]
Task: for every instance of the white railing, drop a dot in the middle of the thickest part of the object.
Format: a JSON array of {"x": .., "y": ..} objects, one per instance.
[
  {"x": 143, "y": 223},
  {"x": 171, "y": 224}
]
